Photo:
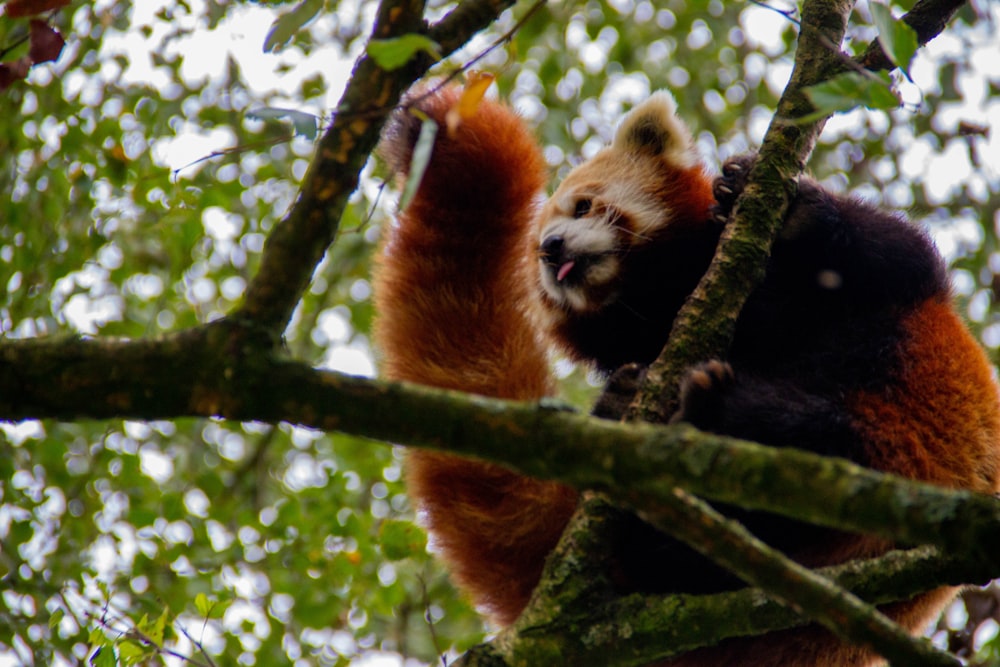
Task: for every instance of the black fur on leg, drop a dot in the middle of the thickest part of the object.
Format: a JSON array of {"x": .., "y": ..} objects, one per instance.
[
  {"x": 619, "y": 392},
  {"x": 730, "y": 184}
]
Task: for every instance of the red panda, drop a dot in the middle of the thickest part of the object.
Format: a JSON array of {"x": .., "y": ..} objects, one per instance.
[{"x": 850, "y": 347}]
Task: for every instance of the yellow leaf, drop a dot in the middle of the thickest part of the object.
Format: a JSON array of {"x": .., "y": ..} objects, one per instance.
[{"x": 476, "y": 85}]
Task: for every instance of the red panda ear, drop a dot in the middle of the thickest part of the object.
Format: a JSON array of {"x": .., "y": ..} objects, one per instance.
[{"x": 653, "y": 129}]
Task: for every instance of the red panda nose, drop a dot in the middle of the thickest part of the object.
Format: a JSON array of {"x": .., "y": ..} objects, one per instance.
[
  {"x": 553, "y": 253},
  {"x": 553, "y": 249}
]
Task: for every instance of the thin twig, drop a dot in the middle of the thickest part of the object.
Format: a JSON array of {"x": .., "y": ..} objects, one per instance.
[
  {"x": 430, "y": 623},
  {"x": 132, "y": 632},
  {"x": 787, "y": 13},
  {"x": 222, "y": 152},
  {"x": 200, "y": 645}
]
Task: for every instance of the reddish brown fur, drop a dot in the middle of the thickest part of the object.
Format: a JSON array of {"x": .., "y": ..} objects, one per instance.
[
  {"x": 953, "y": 375},
  {"x": 455, "y": 292},
  {"x": 958, "y": 448},
  {"x": 452, "y": 294}
]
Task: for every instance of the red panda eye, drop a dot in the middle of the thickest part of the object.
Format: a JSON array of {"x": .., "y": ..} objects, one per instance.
[{"x": 582, "y": 208}]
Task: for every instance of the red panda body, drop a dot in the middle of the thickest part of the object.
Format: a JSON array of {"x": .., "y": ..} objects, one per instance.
[{"x": 849, "y": 348}]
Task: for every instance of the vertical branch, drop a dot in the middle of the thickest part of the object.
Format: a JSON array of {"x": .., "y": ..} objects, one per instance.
[
  {"x": 704, "y": 327},
  {"x": 296, "y": 244}
]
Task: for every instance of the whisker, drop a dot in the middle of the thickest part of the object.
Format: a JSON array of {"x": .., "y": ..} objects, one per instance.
[
  {"x": 641, "y": 237},
  {"x": 612, "y": 218},
  {"x": 632, "y": 310}
]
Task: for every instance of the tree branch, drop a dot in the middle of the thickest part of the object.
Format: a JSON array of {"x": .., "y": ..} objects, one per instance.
[
  {"x": 731, "y": 545},
  {"x": 212, "y": 371},
  {"x": 704, "y": 327},
  {"x": 664, "y": 626},
  {"x": 296, "y": 244},
  {"x": 927, "y": 18}
]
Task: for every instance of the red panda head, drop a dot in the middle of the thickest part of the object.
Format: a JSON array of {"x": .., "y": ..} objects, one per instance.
[{"x": 646, "y": 186}]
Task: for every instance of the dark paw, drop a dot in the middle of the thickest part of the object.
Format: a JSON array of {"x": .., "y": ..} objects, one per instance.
[
  {"x": 619, "y": 392},
  {"x": 702, "y": 393},
  {"x": 401, "y": 132},
  {"x": 729, "y": 185}
]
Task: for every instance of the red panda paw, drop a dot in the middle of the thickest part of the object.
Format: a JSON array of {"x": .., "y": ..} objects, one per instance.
[
  {"x": 702, "y": 392},
  {"x": 618, "y": 393},
  {"x": 729, "y": 185}
]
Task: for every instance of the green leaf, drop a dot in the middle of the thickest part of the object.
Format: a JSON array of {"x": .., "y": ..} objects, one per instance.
[
  {"x": 129, "y": 652},
  {"x": 104, "y": 656},
  {"x": 391, "y": 54},
  {"x": 418, "y": 163},
  {"x": 305, "y": 124},
  {"x": 20, "y": 532},
  {"x": 401, "y": 539},
  {"x": 56, "y": 617},
  {"x": 154, "y": 630},
  {"x": 314, "y": 86},
  {"x": 897, "y": 38},
  {"x": 286, "y": 25},
  {"x": 202, "y": 604},
  {"x": 209, "y": 608},
  {"x": 847, "y": 91}
]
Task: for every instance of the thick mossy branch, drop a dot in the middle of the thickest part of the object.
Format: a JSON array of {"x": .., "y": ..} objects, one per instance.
[
  {"x": 634, "y": 630},
  {"x": 635, "y": 465},
  {"x": 213, "y": 372},
  {"x": 731, "y": 545},
  {"x": 70, "y": 378}
]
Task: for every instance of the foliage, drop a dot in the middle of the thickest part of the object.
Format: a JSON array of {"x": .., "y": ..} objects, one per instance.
[{"x": 273, "y": 545}]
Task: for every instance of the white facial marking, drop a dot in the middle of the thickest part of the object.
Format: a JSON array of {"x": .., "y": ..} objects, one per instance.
[
  {"x": 646, "y": 213},
  {"x": 582, "y": 237},
  {"x": 590, "y": 247}
]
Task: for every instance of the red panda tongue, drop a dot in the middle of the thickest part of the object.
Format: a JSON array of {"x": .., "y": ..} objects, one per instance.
[{"x": 564, "y": 271}]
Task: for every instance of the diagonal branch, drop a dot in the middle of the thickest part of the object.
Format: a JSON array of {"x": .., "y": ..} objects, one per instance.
[
  {"x": 927, "y": 18},
  {"x": 704, "y": 327},
  {"x": 663, "y": 626},
  {"x": 297, "y": 244},
  {"x": 731, "y": 545}
]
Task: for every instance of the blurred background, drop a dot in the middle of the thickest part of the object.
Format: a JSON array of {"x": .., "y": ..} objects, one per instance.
[{"x": 141, "y": 173}]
